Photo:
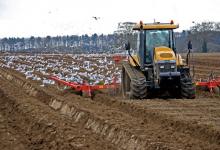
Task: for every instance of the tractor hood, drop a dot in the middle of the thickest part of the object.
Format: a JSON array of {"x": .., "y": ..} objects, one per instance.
[{"x": 163, "y": 53}]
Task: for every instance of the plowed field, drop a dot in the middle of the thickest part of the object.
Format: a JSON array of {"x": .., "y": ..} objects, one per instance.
[{"x": 43, "y": 117}]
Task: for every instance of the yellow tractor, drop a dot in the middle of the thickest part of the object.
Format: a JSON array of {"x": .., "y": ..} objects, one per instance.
[{"x": 155, "y": 66}]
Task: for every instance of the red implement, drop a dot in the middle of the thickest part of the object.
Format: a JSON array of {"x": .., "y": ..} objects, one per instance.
[
  {"x": 85, "y": 87},
  {"x": 118, "y": 58},
  {"x": 211, "y": 84}
]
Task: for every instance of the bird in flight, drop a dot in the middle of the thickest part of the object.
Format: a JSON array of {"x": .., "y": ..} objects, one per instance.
[{"x": 96, "y": 18}]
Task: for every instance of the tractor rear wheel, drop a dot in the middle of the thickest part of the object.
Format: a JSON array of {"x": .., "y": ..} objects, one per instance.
[{"x": 187, "y": 89}]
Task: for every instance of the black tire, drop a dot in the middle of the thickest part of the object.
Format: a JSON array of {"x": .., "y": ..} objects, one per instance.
[
  {"x": 187, "y": 88},
  {"x": 138, "y": 89},
  {"x": 133, "y": 89}
]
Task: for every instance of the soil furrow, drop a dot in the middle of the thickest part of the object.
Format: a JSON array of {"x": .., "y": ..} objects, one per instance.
[
  {"x": 43, "y": 127},
  {"x": 119, "y": 122}
]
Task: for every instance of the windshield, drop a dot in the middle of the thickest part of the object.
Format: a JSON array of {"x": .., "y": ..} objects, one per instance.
[{"x": 155, "y": 38}]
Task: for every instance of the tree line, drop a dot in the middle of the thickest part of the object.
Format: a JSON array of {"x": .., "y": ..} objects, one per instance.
[
  {"x": 75, "y": 43},
  {"x": 205, "y": 37}
]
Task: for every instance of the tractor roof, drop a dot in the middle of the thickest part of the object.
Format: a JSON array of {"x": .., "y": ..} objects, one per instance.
[{"x": 155, "y": 26}]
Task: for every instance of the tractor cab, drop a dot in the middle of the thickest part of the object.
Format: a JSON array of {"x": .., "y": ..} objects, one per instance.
[
  {"x": 153, "y": 40},
  {"x": 156, "y": 53},
  {"x": 157, "y": 38}
]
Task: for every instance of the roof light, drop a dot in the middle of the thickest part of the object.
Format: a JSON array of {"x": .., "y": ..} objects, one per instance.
[
  {"x": 141, "y": 24},
  {"x": 171, "y": 22}
]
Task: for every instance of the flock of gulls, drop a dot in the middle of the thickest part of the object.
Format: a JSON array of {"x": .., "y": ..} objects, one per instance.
[{"x": 92, "y": 68}]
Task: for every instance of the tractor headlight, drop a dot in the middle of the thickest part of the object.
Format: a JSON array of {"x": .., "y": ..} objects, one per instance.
[
  {"x": 172, "y": 66},
  {"x": 161, "y": 67}
]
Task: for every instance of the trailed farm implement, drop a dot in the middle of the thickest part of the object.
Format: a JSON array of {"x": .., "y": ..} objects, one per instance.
[
  {"x": 212, "y": 84},
  {"x": 85, "y": 88}
]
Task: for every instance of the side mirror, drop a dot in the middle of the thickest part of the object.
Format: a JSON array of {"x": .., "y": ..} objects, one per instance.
[
  {"x": 127, "y": 46},
  {"x": 189, "y": 45}
]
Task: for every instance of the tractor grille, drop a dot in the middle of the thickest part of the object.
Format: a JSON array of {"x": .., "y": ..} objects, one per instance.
[{"x": 166, "y": 67}]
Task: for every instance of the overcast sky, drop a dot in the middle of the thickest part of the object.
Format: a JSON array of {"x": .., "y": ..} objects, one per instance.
[{"x": 20, "y": 18}]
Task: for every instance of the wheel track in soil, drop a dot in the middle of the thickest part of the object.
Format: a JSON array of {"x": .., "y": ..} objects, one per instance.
[{"x": 123, "y": 123}]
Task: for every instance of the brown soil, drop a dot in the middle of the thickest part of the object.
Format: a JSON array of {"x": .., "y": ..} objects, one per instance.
[
  {"x": 34, "y": 125},
  {"x": 205, "y": 64},
  {"x": 34, "y": 117}
]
